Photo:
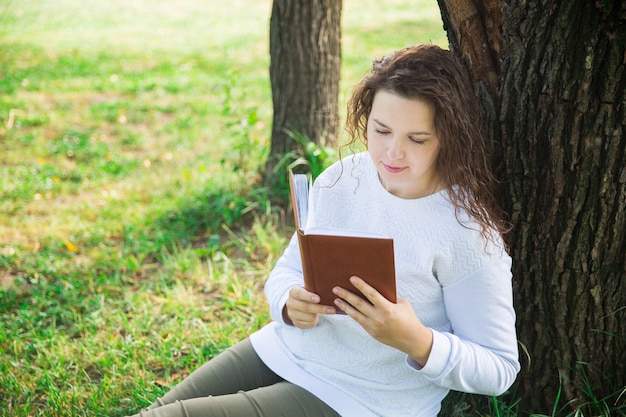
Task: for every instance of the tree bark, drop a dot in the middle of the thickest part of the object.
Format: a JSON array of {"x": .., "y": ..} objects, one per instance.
[
  {"x": 563, "y": 121},
  {"x": 474, "y": 29},
  {"x": 558, "y": 121},
  {"x": 305, "y": 52},
  {"x": 475, "y": 32}
]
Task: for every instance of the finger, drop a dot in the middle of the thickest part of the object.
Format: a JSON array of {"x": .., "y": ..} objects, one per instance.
[
  {"x": 347, "y": 308},
  {"x": 309, "y": 308},
  {"x": 300, "y": 293},
  {"x": 305, "y": 300},
  {"x": 306, "y": 303},
  {"x": 303, "y": 320},
  {"x": 349, "y": 301},
  {"x": 306, "y": 315},
  {"x": 370, "y": 293}
]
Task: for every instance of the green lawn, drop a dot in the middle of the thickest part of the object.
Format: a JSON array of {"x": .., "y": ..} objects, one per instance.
[{"x": 134, "y": 239}]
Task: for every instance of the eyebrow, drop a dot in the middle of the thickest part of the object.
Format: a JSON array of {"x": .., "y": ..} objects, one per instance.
[{"x": 419, "y": 132}]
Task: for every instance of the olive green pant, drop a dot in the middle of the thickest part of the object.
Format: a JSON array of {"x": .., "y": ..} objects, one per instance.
[{"x": 237, "y": 383}]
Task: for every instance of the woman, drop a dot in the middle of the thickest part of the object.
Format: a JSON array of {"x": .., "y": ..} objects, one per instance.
[{"x": 425, "y": 181}]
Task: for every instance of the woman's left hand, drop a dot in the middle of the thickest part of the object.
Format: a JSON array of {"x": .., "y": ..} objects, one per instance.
[{"x": 395, "y": 325}]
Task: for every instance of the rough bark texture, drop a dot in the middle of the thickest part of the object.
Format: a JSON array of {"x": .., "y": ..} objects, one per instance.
[
  {"x": 559, "y": 124},
  {"x": 474, "y": 30},
  {"x": 563, "y": 129},
  {"x": 305, "y": 52}
]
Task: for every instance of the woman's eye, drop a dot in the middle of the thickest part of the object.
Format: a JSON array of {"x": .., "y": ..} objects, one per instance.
[
  {"x": 381, "y": 132},
  {"x": 417, "y": 141}
]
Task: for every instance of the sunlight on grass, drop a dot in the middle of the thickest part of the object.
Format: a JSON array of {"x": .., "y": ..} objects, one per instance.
[{"x": 138, "y": 26}]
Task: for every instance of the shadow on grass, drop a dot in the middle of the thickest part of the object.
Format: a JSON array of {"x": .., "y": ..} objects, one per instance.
[
  {"x": 53, "y": 286},
  {"x": 198, "y": 221}
]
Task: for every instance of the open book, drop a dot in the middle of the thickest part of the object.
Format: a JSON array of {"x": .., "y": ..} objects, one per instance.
[{"x": 330, "y": 257}]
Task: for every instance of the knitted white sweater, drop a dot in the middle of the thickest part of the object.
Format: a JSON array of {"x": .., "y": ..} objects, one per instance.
[{"x": 458, "y": 285}]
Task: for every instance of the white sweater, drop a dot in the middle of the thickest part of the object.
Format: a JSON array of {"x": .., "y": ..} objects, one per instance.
[{"x": 458, "y": 285}]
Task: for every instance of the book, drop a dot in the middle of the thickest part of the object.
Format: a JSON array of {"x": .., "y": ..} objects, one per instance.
[{"x": 331, "y": 256}]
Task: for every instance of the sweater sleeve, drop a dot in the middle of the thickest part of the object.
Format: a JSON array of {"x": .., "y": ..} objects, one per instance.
[
  {"x": 480, "y": 355},
  {"x": 286, "y": 274}
]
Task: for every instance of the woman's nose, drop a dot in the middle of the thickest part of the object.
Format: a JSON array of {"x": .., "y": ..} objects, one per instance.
[{"x": 394, "y": 149}]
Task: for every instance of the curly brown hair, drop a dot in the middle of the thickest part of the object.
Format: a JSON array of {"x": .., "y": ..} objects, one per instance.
[{"x": 434, "y": 75}]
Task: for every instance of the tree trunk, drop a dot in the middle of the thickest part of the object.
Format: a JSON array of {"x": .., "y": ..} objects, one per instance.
[
  {"x": 305, "y": 52},
  {"x": 558, "y": 122}
]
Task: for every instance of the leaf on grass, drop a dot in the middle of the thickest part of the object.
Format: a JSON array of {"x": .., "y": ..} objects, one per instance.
[
  {"x": 162, "y": 383},
  {"x": 70, "y": 246}
]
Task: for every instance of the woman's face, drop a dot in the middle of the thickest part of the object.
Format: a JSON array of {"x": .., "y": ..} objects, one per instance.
[{"x": 403, "y": 144}]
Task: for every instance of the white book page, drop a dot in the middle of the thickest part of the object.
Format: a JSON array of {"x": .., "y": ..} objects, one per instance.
[
  {"x": 340, "y": 232},
  {"x": 301, "y": 191}
]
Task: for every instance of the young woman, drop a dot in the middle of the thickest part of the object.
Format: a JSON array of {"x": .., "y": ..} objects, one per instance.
[{"x": 425, "y": 181}]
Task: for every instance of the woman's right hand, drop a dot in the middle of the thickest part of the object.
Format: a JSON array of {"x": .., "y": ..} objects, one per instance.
[{"x": 303, "y": 309}]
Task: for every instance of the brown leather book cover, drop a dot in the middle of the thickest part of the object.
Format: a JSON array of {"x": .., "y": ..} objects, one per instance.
[{"x": 331, "y": 257}]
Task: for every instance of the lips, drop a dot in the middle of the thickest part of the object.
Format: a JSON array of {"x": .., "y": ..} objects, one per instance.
[{"x": 392, "y": 169}]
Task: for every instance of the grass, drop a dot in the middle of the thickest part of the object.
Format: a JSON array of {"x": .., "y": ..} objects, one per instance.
[{"x": 134, "y": 241}]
